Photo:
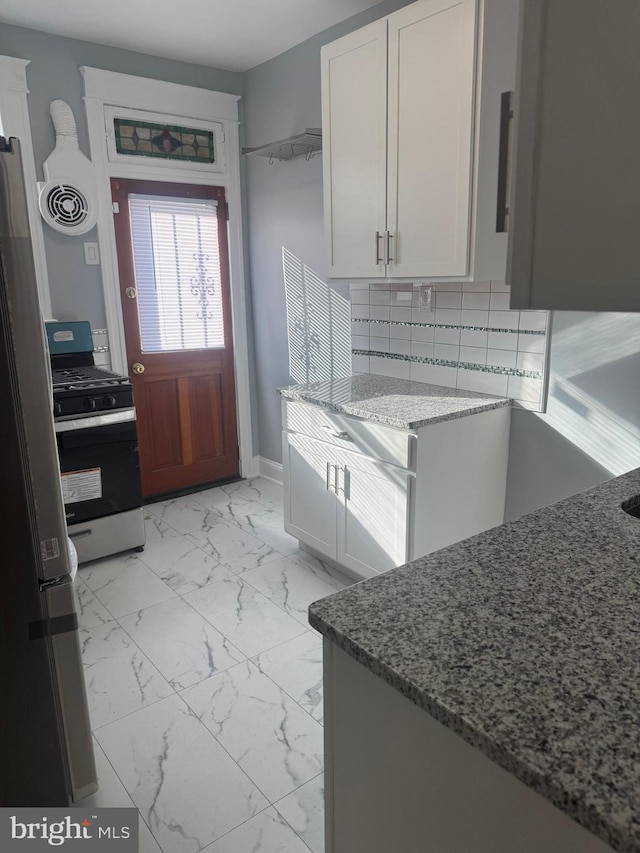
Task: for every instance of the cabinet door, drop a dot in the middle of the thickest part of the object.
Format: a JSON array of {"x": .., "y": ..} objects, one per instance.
[
  {"x": 372, "y": 516},
  {"x": 354, "y": 130},
  {"x": 573, "y": 241},
  {"x": 309, "y": 492},
  {"x": 431, "y": 102}
]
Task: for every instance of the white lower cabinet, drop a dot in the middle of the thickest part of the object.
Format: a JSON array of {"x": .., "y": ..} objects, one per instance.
[{"x": 346, "y": 501}]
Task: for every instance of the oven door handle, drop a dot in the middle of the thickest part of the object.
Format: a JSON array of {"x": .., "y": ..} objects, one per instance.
[{"x": 92, "y": 421}]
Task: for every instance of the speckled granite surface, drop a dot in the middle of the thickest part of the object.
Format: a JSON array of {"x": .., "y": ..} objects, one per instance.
[
  {"x": 525, "y": 640},
  {"x": 397, "y": 402}
]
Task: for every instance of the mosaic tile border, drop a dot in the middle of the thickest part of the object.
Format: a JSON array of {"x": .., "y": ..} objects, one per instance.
[
  {"x": 449, "y": 326},
  {"x": 444, "y": 362}
]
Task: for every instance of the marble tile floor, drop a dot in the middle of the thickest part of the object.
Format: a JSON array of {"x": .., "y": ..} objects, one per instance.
[{"x": 205, "y": 679}]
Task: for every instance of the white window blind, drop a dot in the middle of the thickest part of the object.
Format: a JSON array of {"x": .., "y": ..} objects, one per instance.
[{"x": 176, "y": 258}]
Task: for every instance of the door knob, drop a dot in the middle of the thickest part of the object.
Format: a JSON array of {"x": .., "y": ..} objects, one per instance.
[
  {"x": 137, "y": 367},
  {"x": 131, "y": 292}
]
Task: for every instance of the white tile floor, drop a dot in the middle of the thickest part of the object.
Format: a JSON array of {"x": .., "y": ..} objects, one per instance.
[{"x": 205, "y": 679}]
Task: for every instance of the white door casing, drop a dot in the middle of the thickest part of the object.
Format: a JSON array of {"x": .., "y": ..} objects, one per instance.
[
  {"x": 170, "y": 103},
  {"x": 14, "y": 121}
]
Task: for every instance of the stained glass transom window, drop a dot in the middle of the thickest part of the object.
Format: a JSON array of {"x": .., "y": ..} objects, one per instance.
[{"x": 169, "y": 141}]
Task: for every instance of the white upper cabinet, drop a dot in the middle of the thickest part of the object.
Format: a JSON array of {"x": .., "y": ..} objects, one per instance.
[
  {"x": 411, "y": 133},
  {"x": 354, "y": 131},
  {"x": 575, "y": 210}
]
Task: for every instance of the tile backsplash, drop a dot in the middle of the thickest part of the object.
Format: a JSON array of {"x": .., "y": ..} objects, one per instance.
[{"x": 470, "y": 339}]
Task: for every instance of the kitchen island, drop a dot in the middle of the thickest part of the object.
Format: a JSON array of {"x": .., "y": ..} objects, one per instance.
[{"x": 486, "y": 697}]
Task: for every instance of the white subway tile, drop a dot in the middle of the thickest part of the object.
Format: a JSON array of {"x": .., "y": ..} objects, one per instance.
[
  {"x": 402, "y": 332},
  {"x": 418, "y": 316},
  {"x": 399, "y": 347},
  {"x": 531, "y": 343},
  {"x": 504, "y": 319},
  {"x": 446, "y": 351},
  {"x": 360, "y": 312},
  {"x": 476, "y": 301},
  {"x": 442, "y": 285},
  {"x": 360, "y": 297},
  {"x": 473, "y": 355},
  {"x": 379, "y": 344},
  {"x": 390, "y": 367},
  {"x": 500, "y": 301},
  {"x": 530, "y": 361},
  {"x": 423, "y": 350},
  {"x": 360, "y": 341},
  {"x": 379, "y": 297},
  {"x": 422, "y": 333},
  {"x": 359, "y": 285},
  {"x": 401, "y": 286},
  {"x": 434, "y": 375},
  {"x": 476, "y": 286},
  {"x": 379, "y": 312},
  {"x": 360, "y": 363},
  {"x": 529, "y": 406},
  {"x": 503, "y": 340},
  {"x": 521, "y": 388},
  {"x": 474, "y": 318},
  {"x": 401, "y": 298},
  {"x": 487, "y": 383},
  {"x": 360, "y": 327},
  {"x": 379, "y": 285},
  {"x": 447, "y": 336},
  {"x": 470, "y": 338},
  {"x": 444, "y": 315},
  {"x": 534, "y": 321},
  {"x": 499, "y": 286},
  {"x": 448, "y": 299},
  {"x": 402, "y": 315},
  {"x": 501, "y": 358}
]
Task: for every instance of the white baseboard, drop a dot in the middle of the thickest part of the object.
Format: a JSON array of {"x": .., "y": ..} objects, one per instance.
[{"x": 270, "y": 470}]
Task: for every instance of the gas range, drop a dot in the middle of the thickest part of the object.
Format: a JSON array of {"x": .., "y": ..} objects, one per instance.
[
  {"x": 88, "y": 389},
  {"x": 79, "y": 387}
]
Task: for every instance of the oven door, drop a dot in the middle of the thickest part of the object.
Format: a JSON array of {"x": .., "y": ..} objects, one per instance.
[{"x": 99, "y": 465}]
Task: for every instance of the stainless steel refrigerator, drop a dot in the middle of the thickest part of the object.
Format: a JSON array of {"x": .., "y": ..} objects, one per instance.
[{"x": 46, "y": 749}]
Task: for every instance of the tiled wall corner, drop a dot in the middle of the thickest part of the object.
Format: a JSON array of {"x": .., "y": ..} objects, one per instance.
[{"x": 470, "y": 339}]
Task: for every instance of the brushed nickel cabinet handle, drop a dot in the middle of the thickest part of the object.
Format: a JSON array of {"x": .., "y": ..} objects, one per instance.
[{"x": 506, "y": 118}]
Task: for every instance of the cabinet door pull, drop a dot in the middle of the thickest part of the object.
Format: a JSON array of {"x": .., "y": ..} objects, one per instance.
[
  {"x": 342, "y": 434},
  {"x": 336, "y": 481},
  {"x": 378, "y": 258},
  {"x": 327, "y": 481},
  {"x": 388, "y": 256},
  {"x": 506, "y": 118},
  {"x": 346, "y": 491}
]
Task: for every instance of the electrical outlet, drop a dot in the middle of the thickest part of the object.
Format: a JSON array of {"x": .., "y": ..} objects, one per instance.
[{"x": 426, "y": 297}]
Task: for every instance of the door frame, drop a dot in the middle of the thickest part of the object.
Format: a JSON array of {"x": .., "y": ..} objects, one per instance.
[{"x": 174, "y": 104}]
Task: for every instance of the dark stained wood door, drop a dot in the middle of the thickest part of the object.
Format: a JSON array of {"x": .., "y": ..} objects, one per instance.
[{"x": 174, "y": 285}]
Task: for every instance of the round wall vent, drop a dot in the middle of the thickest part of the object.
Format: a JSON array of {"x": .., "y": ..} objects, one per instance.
[{"x": 65, "y": 208}]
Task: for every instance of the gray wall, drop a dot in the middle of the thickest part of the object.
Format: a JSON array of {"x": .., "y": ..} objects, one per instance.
[
  {"x": 76, "y": 289},
  {"x": 284, "y": 205},
  {"x": 592, "y": 428}
]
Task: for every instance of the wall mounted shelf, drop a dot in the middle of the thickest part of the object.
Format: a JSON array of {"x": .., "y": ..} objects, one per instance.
[{"x": 301, "y": 145}]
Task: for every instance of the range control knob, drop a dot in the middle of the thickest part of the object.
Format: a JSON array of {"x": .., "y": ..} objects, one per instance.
[
  {"x": 57, "y": 409},
  {"x": 109, "y": 401},
  {"x": 89, "y": 403}
]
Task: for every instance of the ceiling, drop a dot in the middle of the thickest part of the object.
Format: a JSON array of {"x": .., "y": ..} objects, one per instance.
[{"x": 231, "y": 34}]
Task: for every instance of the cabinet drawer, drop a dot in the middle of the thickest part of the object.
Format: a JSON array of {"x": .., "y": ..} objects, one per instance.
[{"x": 383, "y": 443}]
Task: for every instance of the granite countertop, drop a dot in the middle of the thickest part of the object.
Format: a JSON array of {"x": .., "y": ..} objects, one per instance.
[
  {"x": 397, "y": 402},
  {"x": 525, "y": 640}
]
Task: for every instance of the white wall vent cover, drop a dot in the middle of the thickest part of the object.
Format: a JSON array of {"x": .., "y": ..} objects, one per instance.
[{"x": 68, "y": 197}]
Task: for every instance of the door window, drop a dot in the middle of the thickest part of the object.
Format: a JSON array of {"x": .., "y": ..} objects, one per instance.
[{"x": 176, "y": 256}]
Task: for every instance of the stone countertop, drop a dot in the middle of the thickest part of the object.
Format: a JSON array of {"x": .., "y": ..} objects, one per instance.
[
  {"x": 525, "y": 640},
  {"x": 397, "y": 402}
]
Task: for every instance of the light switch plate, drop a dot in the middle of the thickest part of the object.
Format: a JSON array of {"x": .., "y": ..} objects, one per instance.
[{"x": 91, "y": 254}]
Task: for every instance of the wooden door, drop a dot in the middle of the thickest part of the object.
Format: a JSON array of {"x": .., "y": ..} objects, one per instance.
[
  {"x": 354, "y": 126},
  {"x": 174, "y": 286},
  {"x": 431, "y": 100}
]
